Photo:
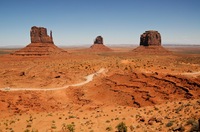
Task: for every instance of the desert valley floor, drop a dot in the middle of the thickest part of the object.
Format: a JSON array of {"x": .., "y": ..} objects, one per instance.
[{"x": 149, "y": 92}]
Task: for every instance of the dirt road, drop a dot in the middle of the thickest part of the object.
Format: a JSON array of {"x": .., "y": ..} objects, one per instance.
[{"x": 88, "y": 78}]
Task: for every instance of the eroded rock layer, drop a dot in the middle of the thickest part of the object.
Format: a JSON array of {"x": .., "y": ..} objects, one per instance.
[{"x": 39, "y": 35}]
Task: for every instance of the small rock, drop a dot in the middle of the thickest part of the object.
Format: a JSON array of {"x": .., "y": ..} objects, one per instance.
[
  {"x": 57, "y": 76},
  {"x": 158, "y": 120},
  {"x": 22, "y": 74},
  {"x": 178, "y": 128},
  {"x": 141, "y": 119},
  {"x": 154, "y": 119}
]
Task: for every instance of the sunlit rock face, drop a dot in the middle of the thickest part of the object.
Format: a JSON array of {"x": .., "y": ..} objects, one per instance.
[
  {"x": 150, "y": 38},
  {"x": 39, "y": 35}
]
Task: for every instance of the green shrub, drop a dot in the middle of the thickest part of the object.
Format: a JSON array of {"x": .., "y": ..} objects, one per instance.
[
  {"x": 121, "y": 127},
  {"x": 190, "y": 121},
  {"x": 27, "y": 130},
  {"x": 169, "y": 124},
  {"x": 71, "y": 127},
  {"x": 194, "y": 123},
  {"x": 53, "y": 126},
  {"x": 195, "y": 128}
]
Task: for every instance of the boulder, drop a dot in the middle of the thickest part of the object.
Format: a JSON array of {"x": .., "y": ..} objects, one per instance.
[{"x": 150, "y": 38}]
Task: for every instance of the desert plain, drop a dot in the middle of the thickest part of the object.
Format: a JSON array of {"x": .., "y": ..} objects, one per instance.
[{"x": 147, "y": 91}]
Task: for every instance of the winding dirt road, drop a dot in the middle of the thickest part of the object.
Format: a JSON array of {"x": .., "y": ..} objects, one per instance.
[
  {"x": 88, "y": 78},
  {"x": 194, "y": 74}
]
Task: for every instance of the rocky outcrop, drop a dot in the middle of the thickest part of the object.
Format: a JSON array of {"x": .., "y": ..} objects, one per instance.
[
  {"x": 41, "y": 44},
  {"x": 39, "y": 35},
  {"x": 98, "y": 45},
  {"x": 150, "y": 43},
  {"x": 98, "y": 40},
  {"x": 150, "y": 38}
]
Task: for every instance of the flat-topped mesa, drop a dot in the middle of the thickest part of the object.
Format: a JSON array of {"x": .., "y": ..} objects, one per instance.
[
  {"x": 39, "y": 35},
  {"x": 98, "y": 40},
  {"x": 150, "y": 38},
  {"x": 150, "y": 43}
]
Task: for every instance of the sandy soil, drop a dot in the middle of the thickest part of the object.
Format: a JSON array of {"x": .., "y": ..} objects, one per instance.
[{"x": 148, "y": 92}]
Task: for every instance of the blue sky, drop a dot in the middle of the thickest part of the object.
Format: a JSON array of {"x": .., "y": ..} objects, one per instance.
[{"x": 76, "y": 22}]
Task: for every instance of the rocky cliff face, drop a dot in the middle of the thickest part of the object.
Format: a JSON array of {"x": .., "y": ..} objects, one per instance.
[
  {"x": 150, "y": 38},
  {"x": 41, "y": 44},
  {"x": 150, "y": 43},
  {"x": 39, "y": 35},
  {"x": 98, "y": 40}
]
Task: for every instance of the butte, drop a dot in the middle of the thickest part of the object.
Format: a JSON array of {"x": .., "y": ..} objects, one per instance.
[
  {"x": 41, "y": 44},
  {"x": 150, "y": 43},
  {"x": 98, "y": 45}
]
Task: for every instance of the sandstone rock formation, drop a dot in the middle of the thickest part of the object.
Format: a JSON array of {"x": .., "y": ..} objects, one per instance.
[
  {"x": 98, "y": 40},
  {"x": 39, "y": 35},
  {"x": 150, "y": 38},
  {"x": 98, "y": 45},
  {"x": 150, "y": 43},
  {"x": 41, "y": 44}
]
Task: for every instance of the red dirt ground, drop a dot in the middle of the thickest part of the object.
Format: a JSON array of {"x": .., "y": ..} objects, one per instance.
[{"x": 148, "y": 92}]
